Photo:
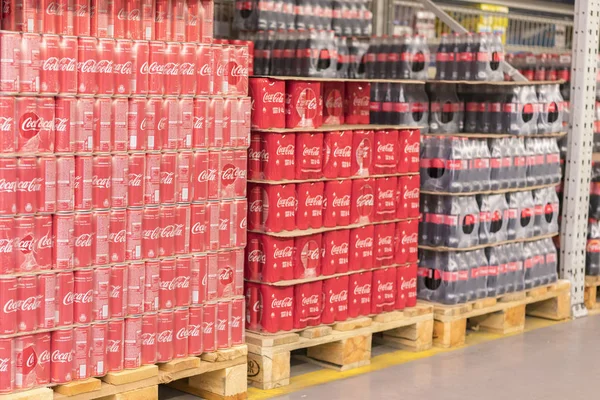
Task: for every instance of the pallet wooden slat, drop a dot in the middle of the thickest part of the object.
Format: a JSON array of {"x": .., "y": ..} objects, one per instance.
[{"x": 342, "y": 346}]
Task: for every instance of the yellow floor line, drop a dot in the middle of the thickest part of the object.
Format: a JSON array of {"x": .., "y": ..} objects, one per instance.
[{"x": 383, "y": 361}]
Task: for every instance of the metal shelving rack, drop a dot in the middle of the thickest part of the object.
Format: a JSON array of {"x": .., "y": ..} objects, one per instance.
[{"x": 582, "y": 29}]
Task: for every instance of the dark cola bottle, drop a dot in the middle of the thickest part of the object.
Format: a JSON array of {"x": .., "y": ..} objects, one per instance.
[
  {"x": 458, "y": 164},
  {"x": 319, "y": 12},
  {"x": 309, "y": 16},
  {"x": 404, "y": 66},
  {"x": 496, "y": 99},
  {"x": 289, "y": 53},
  {"x": 442, "y": 58},
  {"x": 418, "y": 106},
  {"x": 479, "y": 266},
  {"x": 303, "y": 54},
  {"x": 592, "y": 251},
  {"x": 462, "y": 284},
  {"x": 277, "y": 64},
  {"x": 545, "y": 275},
  {"x": 538, "y": 264},
  {"x": 493, "y": 218},
  {"x": 393, "y": 57},
  {"x": 471, "y": 100},
  {"x": 484, "y": 122},
  {"x": 480, "y": 165},
  {"x": 519, "y": 179},
  {"x": 385, "y": 49},
  {"x": 551, "y": 259},
  {"x": 529, "y": 266},
  {"x": 434, "y": 154},
  {"x": 289, "y": 14},
  {"x": 445, "y": 113},
  {"x": 436, "y": 221},
  {"x": 428, "y": 275},
  {"x": 594, "y": 209},
  {"x": 499, "y": 179},
  {"x": 462, "y": 222},
  {"x": 350, "y": 22},
  {"x": 420, "y": 56},
  {"x": 465, "y": 60},
  {"x": 481, "y": 58},
  {"x": 493, "y": 256},
  {"x": 261, "y": 54},
  {"x": 502, "y": 280},
  {"x": 426, "y": 208},
  {"x": 371, "y": 58},
  {"x": 343, "y": 59},
  {"x": 470, "y": 264},
  {"x": 523, "y": 224},
  {"x": 357, "y": 22},
  {"x": 454, "y": 57},
  {"x": 511, "y": 268},
  {"x": 336, "y": 17},
  {"x": 398, "y": 106},
  {"x": 387, "y": 107},
  {"x": 376, "y": 116},
  {"x": 519, "y": 266},
  {"x": 358, "y": 57},
  {"x": 449, "y": 292},
  {"x": 497, "y": 57}
]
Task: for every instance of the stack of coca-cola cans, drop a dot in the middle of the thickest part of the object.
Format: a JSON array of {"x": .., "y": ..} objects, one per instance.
[
  {"x": 332, "y": 208},
  {"x": 122, "y": 188}
]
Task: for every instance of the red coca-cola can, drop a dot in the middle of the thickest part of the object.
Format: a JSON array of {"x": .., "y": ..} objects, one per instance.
[
  {"x": 8, "y": 142},
  {"x": 8, "y": 300},
  {"x": 117, "y": 301},
  {"x": 83, "y": 233},
  {"x": 357, "y": 107},
  {"x": 98, "y": 339},
  {"x": 84, "y": 135},
  {"x": 168, "y": 280},
  {"x": 64, "y": 298},
  {"x": 337, "y": 154},
  {"x": 183, "y": 268},
  {"x": 62, "y": 230},
  {"x": 187, "y": 65},
  {"x": 195, "y": 331},
  {"x": 408, "y": 195},
  {"x": 47, "y": 196},
  {"x": 101, "y": 230},
  {"x": 25, "y": 243},
  {"x": 101, "y": 181},
  {"x": 114, "y": 346},
  {"x": 151, "y": 285},
  {"x": 148, "y": 338},
  {"x": 43, "y": 350},
  {"x": 7, "y": 374},
  {"x": 49, "y": 63},
  {"x": 384, "y": 244},
  {"x": 101, "y": 294},
  {"x": 65, "y": 119},
  {"x": 168, "y": 228},
  {"x": 132, "y": 352},
  {"x": 83, "y": 295},
  {"x": 384, "y": 290},
  {"x": 164, "y": 336},
  {"x": 209, "y": 334},
  {"x": 361, "y": 248},
  {"x": 82, "y": 349},
  {"x": 136, "y": 278},
  {"x": 47, "y": 293},
  {"x": 199, "y": 226},
  {"x": 7, "y": 255},
  {"x": 180, "y": 335},
  {"x": 362, "y": 148},
  {"x": 155, "y": 67},
  {"x": 61, "y": 361},
  {"x": 385, "y": 198},
  {"x": 385, "y": 157},
  {"x": 204, "y": 74},
  {"x": 136, "y": 178},
  {"x": 83, "y": 182},
  {"x": 117, "y": 236},
  {"x": 8, "y": 186},
  {"x": 152, "y": 179},
  {"x": 182, "y": 229},
  {"x": 337, "y": 203},
  {"x": 336, "y": 247},
  {"x": 236, "y": 323},
  {"x": 104, "y": 66},
  {"x": 68, "y": 65},
  {"x": 212, "y": 276},
  {"x": 364, "y": 195},
  {"x": 138, "y": 121},
  {"x": 310, "y": 205},
  {"x": 150, "y": 232},
  {"x": 214, "y": 122},
  {"x": 123, "y": 73},
  {"x": 202, "y": 175},
  {"x": 134, "y": 234},
  {"x": 223, "y": 326},
  {"x": 308, "y": 305},
  {"x": 102, "y": 129},
  {"x": 185, "y": 123},
  {"x": 65, "y": 183},
  {"x": 28, "y": 303},
  {"x": 239, "y": 223},
  {"x": 87, "y": 62},
  {"x": 140, "y": 56},
  {"x": 26, "y": 361},
  {"x": 168, "y": 166},
  {"x": 119, "y": 139},
  {"x": 10, "y": 43},
  {"x": 199, "y": 278},
  {"x": 29, "y": 72},
  {"x": 29, "y": 185},
  {"x": 171, "y": 77},
  {"x": 183, "y": 179},
  {"x": 225, "y": 230},
  {"x": 199, "y": 128}
]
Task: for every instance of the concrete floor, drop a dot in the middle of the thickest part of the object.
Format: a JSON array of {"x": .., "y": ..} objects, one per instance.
[{"x": 553, "y": 363}]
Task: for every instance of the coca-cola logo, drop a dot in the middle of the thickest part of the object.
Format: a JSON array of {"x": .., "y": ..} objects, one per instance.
[
  {"x": 258, "y": 155},
  {"x": 33, "y": 185},
  {"x": 364, "y": 243},
  {"x": 171, "y": 68},
  {"x": 167, "y": 178},
  {"x": 276, "y": 97},
  {"x": 198, "y": 228},
  {"x": 148, "y": 339},
  {"x": 288, "y": 150},
  {"x": 4, "y": 363},
  {"x": 31, "y": 124},
  {"x": 6, "y": 246},
  {"x": 113, "y": 346},
  {"x": 386, "y": 148},
  {"x": 410, "y": 239},
  {"x": 60, "y": 124},
  {"x": 363, "y": 290},
  {"x": 123, "y": 69},
  {"x": 207, "y": 175},
  {"x": 68, "y": 64},
  {"x": 84, "y": 240},
  {"x": 226, "y": 275},
  {"x": 51, "y": 64},
  {"x": 100, "y": 182},
  {"x": 231, "y": 173},
  {"x": 412, "y": 148},
  {"x": 115, "y": 291},
  {"x": 361, "y": 101},
  {"x": 193, "y": 330},
  {"x": 198, "y": 122},
  {"x": 236, "y": 72},
  {"x": 44, "y": 357},
  {"x": 165, "y": 336},
  {"x": 117, "y": 237},
  {"x": 409, "y": 284},
  {"x": 54, "y": 8},
  {"x": 316, "y": 201},
  {"x": 8, "y": 186},
  {"x": 31, "y": 303},
  {"x": 386, "y": 194},
  {"x": 135, "y": 180},
  {"x": 311, "y": 300},
  {"x": 412, "y": 194},
  {"x": 205, "y": 70},
  {"x": 83, "y": 298},
  {"x": 25, "y": 244},
  {"x": 256, "y": 206},
  {"x": 208, "y": 327},
  {"x": 45, "y": 242},
  {"x": 343, "y": 201},
  {"x": 187, "y": 68},
  {"x": 257, "y": 256},
  {"x": 286, "y": 202},
  {"x": 282, "y": 303},
  {"x": 342, "y": 152},
  {"x": 339, "y": 250},
  {"x": 334, "y": 104},
  {"x": 338, "y": 297},
  {"x": 151, "y": 234},
  {"x": 10, "y": 306},
  {"x": 385, "y": 287},
  {"x": 132, "y": 15},
  {"x": 104, "y": 67},
  {"x": 181, "y": 334},
  {"x": 153, "y": 68},
  {"x": 306, "y": 105},
  {"x": 311, "y": 152},
  {"x": 61, "y": 358},
  {"x": 286, "y": 252},
  {"x": 384, "y": 241}
]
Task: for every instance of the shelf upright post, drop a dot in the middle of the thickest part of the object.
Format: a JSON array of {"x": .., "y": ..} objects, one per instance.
[{"x": 573, "y": 229}]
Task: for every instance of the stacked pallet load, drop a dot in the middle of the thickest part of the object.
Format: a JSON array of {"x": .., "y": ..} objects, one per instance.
[
  {"x": 125, "y": 130},
  {"x": 333, "y": 218}
]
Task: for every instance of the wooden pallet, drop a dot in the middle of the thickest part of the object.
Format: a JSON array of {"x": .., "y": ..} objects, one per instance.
[
  {"x": 341, "y": 346},
  {"x": 590, "y": 294},
  {"x": 504, "y": 314},
  {"x": 214, "y": 376}
]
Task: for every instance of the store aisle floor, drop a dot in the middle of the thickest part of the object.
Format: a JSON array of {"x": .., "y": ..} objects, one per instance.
[{"x": 552, "y": 363}]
